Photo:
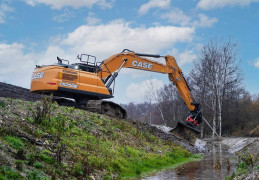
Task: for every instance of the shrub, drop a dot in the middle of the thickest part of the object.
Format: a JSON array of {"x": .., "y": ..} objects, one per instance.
[{"x": 43, "y": 110}]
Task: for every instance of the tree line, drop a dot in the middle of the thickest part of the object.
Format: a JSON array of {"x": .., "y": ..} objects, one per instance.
[{"x": 216, "y": 81}]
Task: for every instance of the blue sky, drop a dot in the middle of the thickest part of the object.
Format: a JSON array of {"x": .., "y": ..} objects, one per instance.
[{"x": 36, "y": 31}]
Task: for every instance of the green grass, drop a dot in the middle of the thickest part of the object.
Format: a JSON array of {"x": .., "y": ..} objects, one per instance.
[
  {"x": 14, "y": 142},
  {"x": 8, "y": 173},
  {"x": 46, "y": 158},
  {"x": 89, "y": 143},
  {"x": 2, "y": 104},
  {"x": 38, "y": 165},
  {"x": 116, "y": 157}
]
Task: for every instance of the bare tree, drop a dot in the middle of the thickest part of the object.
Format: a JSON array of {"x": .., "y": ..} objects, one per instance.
[
  {"x": 154, "y": 96},
  {"x": 217, "y": 69}
]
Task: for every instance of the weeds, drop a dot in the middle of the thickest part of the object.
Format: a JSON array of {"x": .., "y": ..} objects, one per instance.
[
  {"x": 2, "y": 104},
  {"x": 81, "y": 143},
  {"x": 38, "y": 165},
  {"x": 43, "y": 110},
  {"x": 247, "y": 158},
  {"x": 8, "y": 173},
  {"x": 14, "y": 142}
]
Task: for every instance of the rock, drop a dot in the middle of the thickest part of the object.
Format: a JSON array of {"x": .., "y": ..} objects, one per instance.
[{"x": 201, "y": 145}]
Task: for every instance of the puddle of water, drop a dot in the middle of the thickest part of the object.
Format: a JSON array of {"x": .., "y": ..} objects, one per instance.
[{"x": 216, "y": 164}]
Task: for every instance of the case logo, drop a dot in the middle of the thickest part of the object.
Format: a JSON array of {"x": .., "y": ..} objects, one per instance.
[
  {"x": 38, "y": 75},
  {"x": 142, "y": 64}
]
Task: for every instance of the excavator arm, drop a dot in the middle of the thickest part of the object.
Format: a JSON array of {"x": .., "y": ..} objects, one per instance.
[{"x": 110, "y": 68}]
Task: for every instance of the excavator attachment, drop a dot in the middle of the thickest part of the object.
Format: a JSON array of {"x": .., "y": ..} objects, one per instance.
[
  {"x": 186, "y": 132},
  {"x": 189, "y": 129}
]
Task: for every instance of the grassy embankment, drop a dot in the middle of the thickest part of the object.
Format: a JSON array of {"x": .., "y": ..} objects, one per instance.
[{"x": 43, "y": 141}]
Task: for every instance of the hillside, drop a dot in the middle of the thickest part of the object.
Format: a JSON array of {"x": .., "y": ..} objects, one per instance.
[{"x": 42, "y": 140}]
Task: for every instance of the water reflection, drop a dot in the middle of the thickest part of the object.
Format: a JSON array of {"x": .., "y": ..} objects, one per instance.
[{"x": 215, "y": 165}]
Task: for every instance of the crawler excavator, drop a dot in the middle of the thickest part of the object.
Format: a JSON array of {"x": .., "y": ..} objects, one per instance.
[{"x": 88, "y": 82}]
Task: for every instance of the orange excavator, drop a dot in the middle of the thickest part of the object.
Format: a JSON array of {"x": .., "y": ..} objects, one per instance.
[{"x": 88, "y": 82}]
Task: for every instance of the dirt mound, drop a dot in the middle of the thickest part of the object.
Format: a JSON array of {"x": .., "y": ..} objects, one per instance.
[{"x": 16, "y": 92}]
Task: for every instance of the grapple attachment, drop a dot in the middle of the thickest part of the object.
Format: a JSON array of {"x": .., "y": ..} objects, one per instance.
[
  {"x": 186, "y": 132},
  {"x": 189, "y": 129}
]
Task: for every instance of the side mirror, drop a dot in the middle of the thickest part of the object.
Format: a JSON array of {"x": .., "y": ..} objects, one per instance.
[{"x": 59, "y": 60}]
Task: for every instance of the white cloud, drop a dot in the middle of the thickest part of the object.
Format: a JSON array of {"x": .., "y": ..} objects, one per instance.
[
  {"x": 184, "y": 57},
  {"x": 256, "y": 63},
  {"x": 59, "y": 4},
  {"x": 101, "y": 40},
  {"x": 91, "y": 19},
  {"x": 136, "y": 73},
  {"x": 107, "y": 39},
  {"x": 49, "y": 56},
  {"x": 65, "y": 16},
  {"x": 138, "y": 91},
  {"x": 16, "y": 66},
  {"x": 204, "y": 21},
  {"x": 177, "y": 16},
  {"x": 162, "y": 4},
  {"x": 4, "y": 8},
  {"x": 212, "y": 4}
]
